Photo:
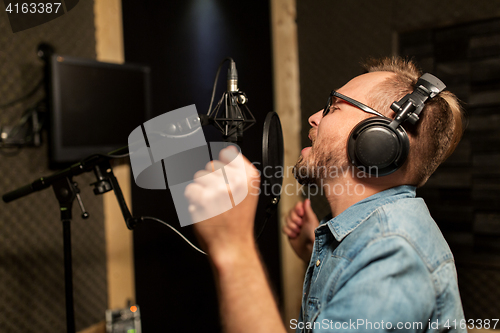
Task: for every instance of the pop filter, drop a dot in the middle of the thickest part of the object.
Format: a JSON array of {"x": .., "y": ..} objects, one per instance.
[{"x": 272, "y": 158}]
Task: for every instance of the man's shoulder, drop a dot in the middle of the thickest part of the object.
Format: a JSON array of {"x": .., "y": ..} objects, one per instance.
[
  {"x": 401, "y": 243},
  {"x": 410, "y": 220}
]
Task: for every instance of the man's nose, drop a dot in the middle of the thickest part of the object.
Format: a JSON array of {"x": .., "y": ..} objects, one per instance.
[{"x": 315, "y": 119}]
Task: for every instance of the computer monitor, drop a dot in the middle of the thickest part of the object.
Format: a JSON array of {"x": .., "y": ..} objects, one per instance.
[{"x": 94, "y": 106}]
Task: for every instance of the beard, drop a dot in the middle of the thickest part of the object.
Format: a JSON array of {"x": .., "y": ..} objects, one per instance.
[{"x": 324, "y": 157}]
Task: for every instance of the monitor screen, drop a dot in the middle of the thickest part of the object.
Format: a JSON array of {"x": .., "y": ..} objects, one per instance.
[{"x": 94, "y": 106}]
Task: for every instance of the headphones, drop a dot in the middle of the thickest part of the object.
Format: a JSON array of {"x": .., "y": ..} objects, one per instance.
[{"x": 379, "y": 145}]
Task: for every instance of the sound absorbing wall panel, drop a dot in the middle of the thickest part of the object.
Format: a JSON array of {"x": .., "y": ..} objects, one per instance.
[
  {"x": 31, "y": 246},
  {"x": 463, "y": 194}
]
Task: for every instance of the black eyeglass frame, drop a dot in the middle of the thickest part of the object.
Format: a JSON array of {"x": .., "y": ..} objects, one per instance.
[{"x": 354, "y": 102}]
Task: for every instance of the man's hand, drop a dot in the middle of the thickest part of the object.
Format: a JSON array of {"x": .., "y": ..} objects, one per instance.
[
  {"x": 300, "y": 224},
  {"x": 246, "y": 301},
  {"x": 232, "y": 231}
]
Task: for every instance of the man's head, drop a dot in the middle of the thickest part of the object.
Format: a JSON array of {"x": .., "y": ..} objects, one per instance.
[{"x": 432, "y": 139}]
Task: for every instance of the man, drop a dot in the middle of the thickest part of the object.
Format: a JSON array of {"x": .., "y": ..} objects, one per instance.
[{"x": 381, "y": 263}]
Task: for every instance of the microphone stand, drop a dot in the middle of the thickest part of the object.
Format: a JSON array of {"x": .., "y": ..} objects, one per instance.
[{"x": 66, "y": 191}]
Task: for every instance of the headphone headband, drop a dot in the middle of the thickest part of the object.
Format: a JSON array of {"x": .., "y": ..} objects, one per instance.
[{"x": 410, "y": 106}]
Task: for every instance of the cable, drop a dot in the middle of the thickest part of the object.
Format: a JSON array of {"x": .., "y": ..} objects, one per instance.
[
  {"x": 22, "y": 98},
  {"x": 178, "y": 233},
  {"x": 19, "y": 126},
  {"x": 268, "y": 215},
  {"x": 110, "y": 155},
  {"x": 113, "y": 153},
  {"x": 22, "y": 121},
  {"x": 119, "y": 156},
  {"x": 142, "y": 218}
]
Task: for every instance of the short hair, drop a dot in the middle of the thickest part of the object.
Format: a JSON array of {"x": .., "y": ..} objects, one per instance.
[{"x": 442, "y": 121}]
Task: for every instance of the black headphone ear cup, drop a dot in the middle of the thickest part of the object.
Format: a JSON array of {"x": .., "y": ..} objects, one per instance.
[{"x": 375, "y": 148}]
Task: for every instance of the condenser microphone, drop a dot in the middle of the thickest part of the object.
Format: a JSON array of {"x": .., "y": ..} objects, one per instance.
[
  {"x": 232, "y": 78},
  {"x": 231, "y": 114},
  {"x": 232, "y": 110}
]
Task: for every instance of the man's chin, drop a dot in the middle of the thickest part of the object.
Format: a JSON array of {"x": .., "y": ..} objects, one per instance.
[
  {"x": 302, "y": 172},
  {"x": 305, "y": 181}
]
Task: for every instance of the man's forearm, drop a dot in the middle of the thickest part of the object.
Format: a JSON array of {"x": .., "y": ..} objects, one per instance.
[
  {"x": 246, "y": 300},
  {"x": 247, "y": 304}
]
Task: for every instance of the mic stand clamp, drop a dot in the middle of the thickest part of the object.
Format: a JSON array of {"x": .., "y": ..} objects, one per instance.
[
  {"x": 232, "y": 116},
  {"x": 106, "y": 181}
]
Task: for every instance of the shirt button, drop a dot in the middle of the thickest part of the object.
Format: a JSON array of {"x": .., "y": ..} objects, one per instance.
[{"x": 318, "y": 262}]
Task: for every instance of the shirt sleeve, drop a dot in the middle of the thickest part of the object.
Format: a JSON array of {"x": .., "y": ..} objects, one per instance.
[{"x": 386, "y": 288}]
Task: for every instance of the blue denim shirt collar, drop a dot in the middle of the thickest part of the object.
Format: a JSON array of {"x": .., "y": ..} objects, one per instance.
[{"x": 347, "y": 221}]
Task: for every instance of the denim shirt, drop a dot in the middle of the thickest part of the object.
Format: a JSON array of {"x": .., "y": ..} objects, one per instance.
[{"x": 381, "y": 265}]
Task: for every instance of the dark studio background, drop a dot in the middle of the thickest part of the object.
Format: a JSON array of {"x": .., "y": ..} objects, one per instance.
[
  {"x": 459, "y": 41},
  {"x": 183, "y": 42}
]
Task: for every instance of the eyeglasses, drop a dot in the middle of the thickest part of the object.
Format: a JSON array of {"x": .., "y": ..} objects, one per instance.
[{"x": 349, "y": 100}]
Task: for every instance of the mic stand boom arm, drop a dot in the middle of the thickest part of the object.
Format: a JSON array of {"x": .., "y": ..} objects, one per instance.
[{"x": 106, "y": 181}]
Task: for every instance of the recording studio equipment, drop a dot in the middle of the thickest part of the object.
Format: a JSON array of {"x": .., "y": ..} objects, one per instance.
[
  {"x": 272, "y": 164},
  {"x": 105, "y": 182},
  {"x": 273, "y": 156},
  {"x": 93, "y": 106},
  {"x": 380, "y": 145},
  {"x": 125, "y": 320},
  {"x": 230, "y": 115}
]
